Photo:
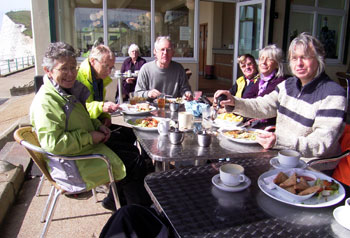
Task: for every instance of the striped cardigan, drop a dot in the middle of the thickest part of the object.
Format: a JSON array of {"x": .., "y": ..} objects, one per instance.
[{"x": 310, "y": 119}]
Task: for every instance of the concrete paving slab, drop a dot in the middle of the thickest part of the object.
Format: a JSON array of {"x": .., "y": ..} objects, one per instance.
[{"x": 72, "y": 218}]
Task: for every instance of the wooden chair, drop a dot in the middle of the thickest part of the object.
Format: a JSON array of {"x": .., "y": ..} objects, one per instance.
[{"x": 27, "y": 137}]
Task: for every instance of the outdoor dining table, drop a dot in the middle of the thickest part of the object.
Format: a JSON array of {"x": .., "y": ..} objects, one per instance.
[
  {"x": 194, "y": 207},
  {"x": 161, "y": 150}
]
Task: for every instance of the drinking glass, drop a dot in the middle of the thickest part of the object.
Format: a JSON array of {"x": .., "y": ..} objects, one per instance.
[
  {"x": 161, "y": 101},
  {"x": 132, "y": 98}
]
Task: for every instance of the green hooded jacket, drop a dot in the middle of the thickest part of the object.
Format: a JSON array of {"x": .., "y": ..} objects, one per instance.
[
  {"x": 95, "y": 108},
  {"x": 63, "y": 126}
]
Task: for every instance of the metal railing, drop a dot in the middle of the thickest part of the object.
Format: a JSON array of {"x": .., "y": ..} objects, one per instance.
[{"x": 16, "y": 64}]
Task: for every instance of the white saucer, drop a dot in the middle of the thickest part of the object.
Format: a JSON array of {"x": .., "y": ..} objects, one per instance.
[
  {"x": 217, "y": 182},
  {"x": 274, "y": 162},
  {"x": 342, "y": 216}
]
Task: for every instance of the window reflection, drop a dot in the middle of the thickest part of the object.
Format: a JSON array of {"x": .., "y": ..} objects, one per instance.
[
  {"x": 176, "y": 19},
  {"x": 80, "y": 23}
]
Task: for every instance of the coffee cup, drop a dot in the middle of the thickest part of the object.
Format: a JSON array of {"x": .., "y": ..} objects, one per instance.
[
  {"x": 288, "y": 158},
  {"x": 347, "y": 204},
  {"x": 232, "y": 174},
  {"x": 185, "y": 120},
  {"x": 164, "y": 126}
]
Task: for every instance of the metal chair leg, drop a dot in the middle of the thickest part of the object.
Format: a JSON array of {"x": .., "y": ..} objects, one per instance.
[
  {"x": 40, "y": 186},
  {"x": 48, "y": 202},
  {"x": 51, "y": 212},
  {"x": 94, "y": 194}
]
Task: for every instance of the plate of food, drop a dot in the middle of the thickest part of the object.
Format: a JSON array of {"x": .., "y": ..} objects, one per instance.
[
  {"x": 171, "y": 100},
  {"x": 302, "y": 188},
  {"x": 227, "y": 120},
  {"x": 241, "y": 135},
  {"x": 137, "y": 109},
  {"x": 145, "y": 124}
]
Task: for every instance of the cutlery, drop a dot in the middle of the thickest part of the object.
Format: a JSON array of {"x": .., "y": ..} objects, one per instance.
[{"x": 214, "y": 113}]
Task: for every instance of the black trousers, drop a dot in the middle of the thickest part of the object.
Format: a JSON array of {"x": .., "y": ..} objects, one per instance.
[
  {"x": 134, "y": 221},
  {"x": 131, "y": 189},
  {"x": 125, "y": 136}
]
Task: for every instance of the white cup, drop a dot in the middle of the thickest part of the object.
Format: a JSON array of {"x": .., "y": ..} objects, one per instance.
[
  {"x": 288, "y": 158},
  {"x": 129, "y": 73},
  {"x": 232, "y": 174},
  {"x": 164, "y": 126},
  {"x": 185, "y": 120},
  {"x": 137, "y": 72},
  {"x": 347, "y": 204}
]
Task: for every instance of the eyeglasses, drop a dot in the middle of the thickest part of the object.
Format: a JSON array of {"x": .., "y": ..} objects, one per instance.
[
  {"x": 66, "y": 70},
  {"x": 105, "y": 66},
  {"x": 163, "y": 50}
]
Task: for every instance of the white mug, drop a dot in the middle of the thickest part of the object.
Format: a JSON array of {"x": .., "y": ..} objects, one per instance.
[
  {"x": 288, "y": 158},
  {"x": 164, "y": 126},
  {"x": 232, "y": 174},
  {"x": 185, "y": 120}
]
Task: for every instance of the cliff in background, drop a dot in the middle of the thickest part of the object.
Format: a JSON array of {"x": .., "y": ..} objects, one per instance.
[{"x": 16, "y": 35}]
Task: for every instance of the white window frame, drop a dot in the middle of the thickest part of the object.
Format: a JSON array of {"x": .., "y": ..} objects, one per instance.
[
  {"x": 193, "y": 59},
  {"x": 315, "y": 11}
]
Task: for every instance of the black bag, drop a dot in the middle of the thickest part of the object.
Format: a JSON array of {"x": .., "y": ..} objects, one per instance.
[{"x": 133, "y": 221}]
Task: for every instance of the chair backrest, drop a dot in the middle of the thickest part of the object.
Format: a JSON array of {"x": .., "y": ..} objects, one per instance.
[
  {"x": 38, "y": 81},
  {"x": 27, "y": 137}
]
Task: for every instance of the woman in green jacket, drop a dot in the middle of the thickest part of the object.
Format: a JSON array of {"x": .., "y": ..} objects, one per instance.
[{"x": 63, "y": 125}]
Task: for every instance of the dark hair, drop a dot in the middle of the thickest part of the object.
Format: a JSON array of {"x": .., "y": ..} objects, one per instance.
[{"x": 56, "y": 51}]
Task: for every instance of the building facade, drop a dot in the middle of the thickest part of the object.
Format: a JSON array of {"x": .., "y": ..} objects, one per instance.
[{"x": 208, "y": 35}]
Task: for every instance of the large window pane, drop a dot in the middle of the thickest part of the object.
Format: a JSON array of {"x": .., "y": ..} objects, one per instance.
[
  {"x": 304, "y": 2},
  {"x": 176, "y": 19},
  {"x": 88, "y": 27},
  {"x": 299, "y": 22},
  {"x": 129, "y": 22},
  {"x": 335, "y": 4},
  {"x": 249, "y": 30},
  {"x": 328, "y": 31}
]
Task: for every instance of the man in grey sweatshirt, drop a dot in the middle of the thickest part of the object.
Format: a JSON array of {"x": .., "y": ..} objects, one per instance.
[{"x": 162, "y": 75}]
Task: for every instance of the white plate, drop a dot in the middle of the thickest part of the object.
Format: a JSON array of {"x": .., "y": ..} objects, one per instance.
[
  {"x": 217, "y": 182},
  {"x": 131, "y": 122},
  {"x": 225, "y": 124},
  {"x": 274, "y": 162},
  {"x": 243, "y": 141},
  {"x": 132, "y": 110},
  {"x": 311, "y": 202},
  {"x": 342, "y": 216}
]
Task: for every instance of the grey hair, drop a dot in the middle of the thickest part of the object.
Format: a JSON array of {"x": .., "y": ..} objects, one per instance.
[
  {"x": 311, "y": 47},
  {"x": 133, "y": 47},
  {"x": 99, "y": 51},
  {"x": 161, "y": 38},
  {"x": 56, "y": 51},
  {"x": 276, "y": 54}
]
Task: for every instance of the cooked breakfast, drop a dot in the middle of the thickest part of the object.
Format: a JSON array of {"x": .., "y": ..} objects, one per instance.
[
  {"x": 143, "y": 107},
  {"x": 242, "y": 134},
  {"x": 230, "y": 117},
  {"x": 148, "y": 122}
]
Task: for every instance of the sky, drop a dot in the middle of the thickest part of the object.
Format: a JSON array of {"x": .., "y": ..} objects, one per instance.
[{"x": 13, "y": 5}]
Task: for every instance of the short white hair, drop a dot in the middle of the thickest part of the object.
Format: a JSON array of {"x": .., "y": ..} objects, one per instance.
[
  {"x": 161, "y": 38},
  {"x": 133, "y": 47}
]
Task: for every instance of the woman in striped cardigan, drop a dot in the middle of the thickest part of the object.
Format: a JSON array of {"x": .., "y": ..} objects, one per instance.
[{"x": 310, "y": 107}]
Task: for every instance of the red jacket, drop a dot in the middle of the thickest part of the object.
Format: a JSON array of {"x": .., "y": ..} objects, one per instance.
[{"x": 342, "y": 171}]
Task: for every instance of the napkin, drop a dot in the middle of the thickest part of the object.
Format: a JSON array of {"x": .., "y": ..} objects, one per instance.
[{"x": 195, "y": 107}]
